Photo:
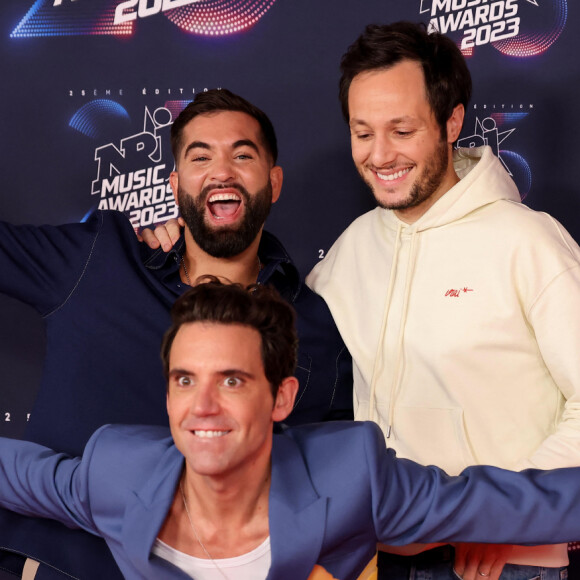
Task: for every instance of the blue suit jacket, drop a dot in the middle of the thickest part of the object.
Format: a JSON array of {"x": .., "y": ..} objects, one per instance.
[{"x": 325, "y": 508}]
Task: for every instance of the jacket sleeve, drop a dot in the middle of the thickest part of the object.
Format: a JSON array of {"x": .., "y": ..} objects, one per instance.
[
  {"x": 554, "y": 317},
  {"x": 37, "y": 481},
  {"x": 41, "y": 265},
  {"x": 414, "y": 503}
]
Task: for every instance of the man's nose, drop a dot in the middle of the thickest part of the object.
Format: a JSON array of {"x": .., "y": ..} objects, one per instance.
[
  {"x": 383, "y": 152},
  {"x": 205, "y": 401},
  {"x": 223, "y": 170}
]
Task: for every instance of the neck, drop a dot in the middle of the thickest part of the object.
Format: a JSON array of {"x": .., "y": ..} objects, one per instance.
[
  {"x": 241, "y": 269},
  {"x": 232, "y": 503},
  {"x": 230, "y": 518}
]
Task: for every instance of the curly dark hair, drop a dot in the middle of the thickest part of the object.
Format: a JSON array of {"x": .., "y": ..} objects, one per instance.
[{"x": 256, "y": 306}]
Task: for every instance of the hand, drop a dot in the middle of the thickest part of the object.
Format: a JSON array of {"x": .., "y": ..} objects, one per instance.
[
  {"x": 480, "y": 561},
  {"x": 164, "y": 235}
]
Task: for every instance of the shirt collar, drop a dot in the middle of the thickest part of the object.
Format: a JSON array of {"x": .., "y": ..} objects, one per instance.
[{"x": 277, "y": 266}]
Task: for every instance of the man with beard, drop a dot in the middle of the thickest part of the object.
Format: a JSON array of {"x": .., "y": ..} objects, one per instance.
[
  {"x": 466, "y": 350},
  {"x": 106, "y": 301}
]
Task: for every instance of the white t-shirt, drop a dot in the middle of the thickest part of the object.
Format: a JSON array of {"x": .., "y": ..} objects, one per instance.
[{"x": 251, "y": 566}]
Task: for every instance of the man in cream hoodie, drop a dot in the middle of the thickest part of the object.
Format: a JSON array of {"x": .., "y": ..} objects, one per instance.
[{"x": 459, "y": 304}]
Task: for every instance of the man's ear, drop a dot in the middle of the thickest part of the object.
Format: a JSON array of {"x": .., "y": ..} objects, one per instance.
[
  {"x": 276, "y": 178},
  {"x": 174, "y": 182},
  {"x": 455, "y": 123},
  {"x": 284, "y": 402}
]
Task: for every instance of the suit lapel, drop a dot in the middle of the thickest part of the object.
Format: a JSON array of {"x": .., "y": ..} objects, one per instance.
[
  {"x": 146, "y": 513},
  {"x": 297, "y": 515}
]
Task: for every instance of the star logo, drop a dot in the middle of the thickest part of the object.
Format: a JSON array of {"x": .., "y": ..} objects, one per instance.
[{"x": 486, "y": 132}]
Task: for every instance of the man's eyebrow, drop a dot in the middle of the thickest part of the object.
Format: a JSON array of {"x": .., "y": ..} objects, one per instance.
[
  {"x": 246, "y": 143},
  {"x": 403, "y": 119},
  {"x": 196, "y": 145},
  {"x": 352, "y": 122},
  {"x": 394, "y": 121},
  {"x": 240, "y": 372},
  {"x": 235, "y": 145},
  {"x": 177, "y": 372}
]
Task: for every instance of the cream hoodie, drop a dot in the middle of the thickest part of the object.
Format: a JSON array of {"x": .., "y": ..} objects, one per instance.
[{"x": 464, "y": 327}]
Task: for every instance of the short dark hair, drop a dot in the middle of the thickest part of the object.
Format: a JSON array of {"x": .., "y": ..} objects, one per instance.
[
  {"x": 214, "y": 101},
  {"x": 258, "y": 307},
  {"x": 447, "y": 78}
]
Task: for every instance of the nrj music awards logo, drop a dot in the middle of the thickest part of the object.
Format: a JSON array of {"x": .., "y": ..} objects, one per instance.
[
  {"x": 518, "y": 28},
  {"x": 494, "y": 128},
  {"x": 132, "y": 174},
  {"x": 119, "y": 17}
]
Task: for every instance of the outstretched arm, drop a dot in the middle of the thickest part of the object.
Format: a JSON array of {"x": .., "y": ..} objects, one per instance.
[
  {"x": 36, "y": 481},
  {"x": 414, "y": 503},
  {"x": 41, "y": 265}
]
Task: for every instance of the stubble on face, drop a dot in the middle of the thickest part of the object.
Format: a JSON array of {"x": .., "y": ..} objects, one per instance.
[
  {"x": 424, "y": 186},
  {"x": 226, "y": 241}
]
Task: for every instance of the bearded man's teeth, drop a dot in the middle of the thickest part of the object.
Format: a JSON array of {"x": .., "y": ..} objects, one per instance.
[
  {"x": 393, "y": 176},
  {"x": 223, "y": 197}
]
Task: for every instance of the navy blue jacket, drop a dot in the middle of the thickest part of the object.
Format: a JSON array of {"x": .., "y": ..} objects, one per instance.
[{"x": 105, "y": 299}]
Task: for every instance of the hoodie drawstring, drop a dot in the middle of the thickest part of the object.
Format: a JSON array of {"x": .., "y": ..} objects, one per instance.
[{"x": 379, "y": 355}]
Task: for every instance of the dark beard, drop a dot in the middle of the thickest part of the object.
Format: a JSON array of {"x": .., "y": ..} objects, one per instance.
[
  {"x": 426, "y": 184},
  {"x": 227, "y": 241}
]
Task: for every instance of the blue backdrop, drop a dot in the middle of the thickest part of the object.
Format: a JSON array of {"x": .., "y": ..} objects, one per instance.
[{"x": 89, "y": 88}]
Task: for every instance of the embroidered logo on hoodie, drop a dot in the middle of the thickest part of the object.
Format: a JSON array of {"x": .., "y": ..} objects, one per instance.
[{"x": 457, "y": 293}]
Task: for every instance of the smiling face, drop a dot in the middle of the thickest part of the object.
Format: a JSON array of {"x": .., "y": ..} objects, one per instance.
[
  {"x": 396, "y": 143},
  {"x": 220, "y": 404},
  {"x": 225, "y": 182}
]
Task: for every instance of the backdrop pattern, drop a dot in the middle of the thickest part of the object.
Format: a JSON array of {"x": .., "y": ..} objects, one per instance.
[{"x": 90, "y": 88}]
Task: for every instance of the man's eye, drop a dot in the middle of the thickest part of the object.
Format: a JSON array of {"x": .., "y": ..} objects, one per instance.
[
  {"x": 199, "y": 158},
  {"x": 243, "y": 156},
  {"x": 232, "y": 382},
  {"x": 184, "y": 381},
  {"x": 404, "y": 133},
  {"x": 363, "y": 136}
]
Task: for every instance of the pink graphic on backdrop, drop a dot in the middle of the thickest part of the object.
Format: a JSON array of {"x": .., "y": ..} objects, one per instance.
[
  {"x": 68, "y": 18},
  {"x": 119, "y": 17},
  {"x": 516, "y": 28},
  {"x": 219, "y": 17},
  {"x": 536, "y": 38}
]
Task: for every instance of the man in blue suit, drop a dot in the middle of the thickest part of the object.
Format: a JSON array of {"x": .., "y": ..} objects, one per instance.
[{"x": 221, "y": 496}]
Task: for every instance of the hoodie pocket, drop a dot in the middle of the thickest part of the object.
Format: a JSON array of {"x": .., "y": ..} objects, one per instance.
[{"x": 433, "y": 436}]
